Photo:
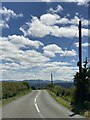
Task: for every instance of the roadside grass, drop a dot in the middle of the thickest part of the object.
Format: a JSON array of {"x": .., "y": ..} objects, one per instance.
[
  {"x": 67, "y": 104},
  {"x": 61, "y": 100},
  {"x": 0, "y": 103},
  {"x": 86, "y": 112},
  {"x": 20, "y": 94},
  {"x": 0, "y": 93}
]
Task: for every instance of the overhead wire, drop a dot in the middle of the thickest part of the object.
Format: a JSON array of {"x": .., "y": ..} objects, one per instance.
[{"x": 66, "y": 52}]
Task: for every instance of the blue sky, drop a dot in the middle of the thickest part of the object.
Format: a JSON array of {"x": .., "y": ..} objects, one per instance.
[{"x": 38, "y": 39}]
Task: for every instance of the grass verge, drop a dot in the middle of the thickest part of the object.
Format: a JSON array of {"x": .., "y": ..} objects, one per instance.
[
  {"x": 61, "y": 100},
  {"x": 0, "y": 103},
  {"x": 66, "y": 104},
  {"x": 20, "y": 94}
]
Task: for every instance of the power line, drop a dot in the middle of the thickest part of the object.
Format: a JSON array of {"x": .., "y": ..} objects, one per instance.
[{"x": 66, "y": 52}]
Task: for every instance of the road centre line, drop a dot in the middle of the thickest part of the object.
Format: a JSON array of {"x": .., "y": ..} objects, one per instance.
[
  {"x": 35, "y": 102},
  {"x": 37, "y": 108}
]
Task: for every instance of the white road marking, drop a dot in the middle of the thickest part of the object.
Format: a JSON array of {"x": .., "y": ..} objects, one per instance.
[
  {"x": 37, "y": 107},
  {"x": 35, "y": 102}
]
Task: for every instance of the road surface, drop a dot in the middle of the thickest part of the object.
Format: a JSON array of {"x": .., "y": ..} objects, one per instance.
[{"x": 37, "y": 104}]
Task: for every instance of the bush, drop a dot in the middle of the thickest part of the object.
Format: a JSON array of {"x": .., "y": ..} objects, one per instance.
[
  {"x": 62, "y": 92},
  {"x": 10, "y": 89}
]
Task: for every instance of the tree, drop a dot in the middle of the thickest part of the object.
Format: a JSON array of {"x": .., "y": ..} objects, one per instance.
[
  {"x": 88, "y": 97},
  {"x": 82, "y": 83}
]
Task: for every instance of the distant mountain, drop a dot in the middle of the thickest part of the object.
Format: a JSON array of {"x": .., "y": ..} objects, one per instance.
[
  {"x": 10, "y": 81},
  {"x": 38, "y": 83},
  {"x": 61, "y": 81},
  {"x": 43, "y": 83},
  {"x": 65, "y": 85}
]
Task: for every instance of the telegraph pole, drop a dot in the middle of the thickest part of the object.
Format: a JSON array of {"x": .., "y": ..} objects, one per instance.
[
  {"x": 51, "y": 79},
  {"x": 79, "y": 64},
  {"x": 38, "y": 84},
  {"x": 80, "y": 48}
]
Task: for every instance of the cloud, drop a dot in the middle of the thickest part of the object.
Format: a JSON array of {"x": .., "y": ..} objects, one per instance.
[
  {"x": 35, "y": 28},
  {"x": 83, "y": 44},
  {"x": 45, "y": 26},
  {"x": 17, "y": 42},
  {"x": 69, "y": 53},
  {"x": 76, "y": 19},
  {"x": 3, "y": 24},
  {"x": 59, "y": 69},
  {"x": 46, "y": 0},
  {"x": 66, "y": 32},
  {"x": 49, "y": 19},
  {"x": 58, "y": 9},
  {"x": 7, "y": 14},
  {"x": 56, "y": 19},
  {"x": 49, "y": 54},
  {"x": 69, "y": 71},
  {"x": 21, "y": 41},
  {"x": 79, "y": 2},
  {"x": 11, "y": 52},
  {"x": 21, "y": 56},
  {"x": 22, "y": 64},
  {"x": 51, "y": 50},
  {"x": 43, "y": 72},
  {"x": 85, "y": 2}
]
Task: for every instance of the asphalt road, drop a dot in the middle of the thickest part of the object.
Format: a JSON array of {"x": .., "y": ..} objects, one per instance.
[{"x": 37, "y": 104}]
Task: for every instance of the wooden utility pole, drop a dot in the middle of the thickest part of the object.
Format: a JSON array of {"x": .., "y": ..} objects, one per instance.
[
  {"x": 38, "y": 84},
  {"x": 51, "y": 78},
  {"x": 79, "y": 64},
  {"x": 80, "y": 48}
]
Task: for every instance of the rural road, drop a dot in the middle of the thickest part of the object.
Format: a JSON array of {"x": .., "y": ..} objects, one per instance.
[{"x": 37, "y": 104}]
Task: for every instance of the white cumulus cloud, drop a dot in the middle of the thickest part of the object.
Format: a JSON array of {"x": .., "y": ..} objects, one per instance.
[
  {"x": 52, "y": 49},
  {"x": 7, "y": 14},
  {"x": 48, "y": 24},
  {"x": 21, "y": 41},
  {"x": 69, "y": 53},
  {"x": 10, "y": 50},
  {"x": 79, "y": 2},
  {"x": 49, "y": 19}
]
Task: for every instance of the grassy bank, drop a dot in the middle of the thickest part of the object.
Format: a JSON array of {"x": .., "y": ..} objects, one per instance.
[
  {"x": 67, "y": 104},
  {"x": 0, "y": 93},
  {"x": 0, "y": 103},
  {"x": 60, "y": 100},
  {"x": 20, "y": 94},
  {"x": 13, "y": 90}
]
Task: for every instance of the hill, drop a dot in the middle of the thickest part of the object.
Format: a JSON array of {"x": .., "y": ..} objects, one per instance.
[{"x": 44, "y": 83}]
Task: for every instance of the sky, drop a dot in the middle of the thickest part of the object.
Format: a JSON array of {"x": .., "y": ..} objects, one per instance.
[{"x": 40, "y": 38}]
